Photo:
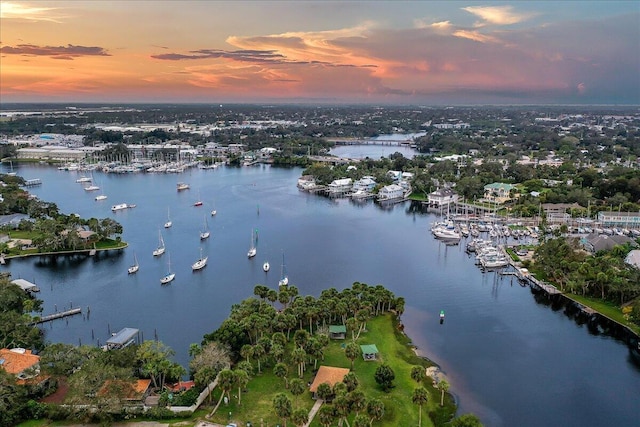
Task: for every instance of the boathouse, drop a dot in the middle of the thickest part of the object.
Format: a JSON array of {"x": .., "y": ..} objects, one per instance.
[
  {"x": 391, "y": 192},
  {"x": 442, "y": 197},
  {"x": 122, "y": 339},
  {"x": 26, "y": 285},
  {"x": 369, "y": 352}
]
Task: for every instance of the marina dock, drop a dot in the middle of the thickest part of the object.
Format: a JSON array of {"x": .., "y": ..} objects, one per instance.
[{"x": 59, "y": 315}]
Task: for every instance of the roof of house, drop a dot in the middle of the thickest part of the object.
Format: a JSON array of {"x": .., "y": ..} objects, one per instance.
[
  {"x": 24, "y": 284},
  {"x": 369, "y": 349},
  {"x": 131, "y": 390},
  {"x": 499, "y": 185},
  {"x": 337, "y": 329},
  {"x": 329, "y": 375},
  {"x": 16, "y": 360},
  {"x": 633, "y": 258},
  {"x": 603, "y": 242},
  {"x": 181, "y": 386}
]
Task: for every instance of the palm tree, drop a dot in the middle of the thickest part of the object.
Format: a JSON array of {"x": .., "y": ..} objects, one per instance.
[
  {"x": 357, "y": 400},
  {"x": 326, "y": 414},
  {"x": 242, "y": 379},
  {"x": 375, "y": 410},
  {"x": 298, "y": 356},
  {"x": 443, "y": 386},
  {"x": 300, "y": 417},
  {"x": 226, "y": 381},
  {"x": 282, "y": 406},
  {"x": 418, "y": 373},
  {"x": 420, "y": 397},
  {"x": 341, "y": 405},
  {"x": 361, "y": 420},
  {"x": 352, "y": 351},
  {"x": 297, "y": 387},
  {"x": 258, "y": 353},
  {"x": 280, "y": 371},
  {"x": 351, "y": 381}
]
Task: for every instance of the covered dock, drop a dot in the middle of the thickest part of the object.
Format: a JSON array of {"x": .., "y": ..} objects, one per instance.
[
  {"x": 26, "y": 285},
  {"x": 122, "y": 339}
]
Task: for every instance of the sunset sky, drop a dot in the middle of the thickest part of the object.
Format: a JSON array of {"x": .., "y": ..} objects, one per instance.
[{"x": 396, "y": 52}]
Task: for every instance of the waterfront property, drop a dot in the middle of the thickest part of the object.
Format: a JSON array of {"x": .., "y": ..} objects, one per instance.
[
  {"x": 442, "y": 197},
  {"x": 339, "y": 186},
  {"x": 122, "y": 339},
  {"x": 391, "y": 192},
  {"x": 25, "y": 285},
  {"x": 20, "y": 363},
  {"x": 559, "y": 212},
  {"x": 366, "y": 183},
  {"x": 619, "y": 219}
]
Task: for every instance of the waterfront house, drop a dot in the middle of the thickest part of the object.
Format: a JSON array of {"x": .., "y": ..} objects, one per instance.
[
  {"x": 369, "y": 352},
  {"x": 306, "y": 182},
  {"x": 328, "y": 375},
  {"x": 342, "y": 185},
  {"x": 337, "y": 332},
  {"x": 442, "y": 197},
  {"x": 499, "y": 192},
  {"x": 131, "y": 391},
  {"x": 391, "y": 192},
  {"x": 20, "y": 363},
  {"x": 366, "y": 183}
]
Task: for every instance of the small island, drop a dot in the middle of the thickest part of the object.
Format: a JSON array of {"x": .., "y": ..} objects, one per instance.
[
  {"x": 35, "y": 227},
  {"x": 278, "y": 359}
]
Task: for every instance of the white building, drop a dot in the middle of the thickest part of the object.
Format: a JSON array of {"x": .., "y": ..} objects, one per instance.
[
  {"x": 366, "y": 183},
  {"x": 391, "y": 192},
  {"x": 340, "y": 185},
  {"x": 442, "y": 197}
]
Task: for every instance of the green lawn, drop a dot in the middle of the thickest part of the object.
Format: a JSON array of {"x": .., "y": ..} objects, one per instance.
[
  {"x": 607, "y": 308},
  {"x": 394, "y": 350}
]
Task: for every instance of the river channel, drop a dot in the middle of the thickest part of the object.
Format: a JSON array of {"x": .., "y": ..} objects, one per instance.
[{"x": 509, "y": 359}]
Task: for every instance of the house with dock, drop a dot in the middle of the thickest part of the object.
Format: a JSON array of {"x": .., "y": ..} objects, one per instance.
[
  {"x": 340, "y": 186},
  {"x": 619, "y": 219},
  {"x": 391, "y": 192},
  {"x": 442, "y": 197}
]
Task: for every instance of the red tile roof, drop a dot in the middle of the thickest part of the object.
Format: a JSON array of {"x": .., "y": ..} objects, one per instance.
[{"x": 17, "y": 360}]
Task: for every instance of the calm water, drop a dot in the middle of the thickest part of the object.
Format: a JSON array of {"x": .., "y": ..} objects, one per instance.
[
  {"x": 510, "y": 360},
  {"x": 378, "y": 147}
]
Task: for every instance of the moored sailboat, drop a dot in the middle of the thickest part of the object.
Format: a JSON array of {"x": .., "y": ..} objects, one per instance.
[
  {"x": 200, "y": 263},
  {"x": 169, "y": 223},
  {"x": 252, "y": 250},
  {"x": 204, "y": 234},
  {"x": 160, "y": 249},
  {"x": 284, "y": 279},
  {"x": 135, "y": 267},
  {"x": 169, "y": 276}
]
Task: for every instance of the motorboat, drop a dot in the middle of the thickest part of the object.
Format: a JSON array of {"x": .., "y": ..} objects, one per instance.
[
  {"x": 182, "y": 186},
  {"x": 119, "y": 207},
  {"x": 101, "y": 197},
  {"x": 266, "y": 266}
]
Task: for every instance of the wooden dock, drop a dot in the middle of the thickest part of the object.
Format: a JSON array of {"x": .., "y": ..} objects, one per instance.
[{"x": 59, "y": 315}]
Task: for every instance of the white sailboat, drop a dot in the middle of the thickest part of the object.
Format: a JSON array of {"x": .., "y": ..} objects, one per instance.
[
  {"x": 266, "y": 266},
  {"x": 252, "y": 250},
  {"x": 168, "y": 224},
  {"x": 204, "y": 234},
  {"x": 160, "y": 249},
  {"x": 135, "y": 267},
  {"x": 169, "y": 276},
  {"x": 284, "y": 279},
  {"x": 213, "y": 211},
  {"x": 200, "y": 263}
]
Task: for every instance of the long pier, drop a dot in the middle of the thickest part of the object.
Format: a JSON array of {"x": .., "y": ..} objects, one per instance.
[{"x": 59, "y": 315}]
